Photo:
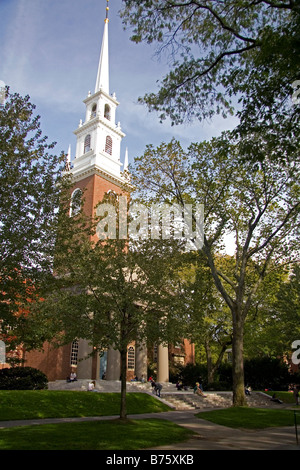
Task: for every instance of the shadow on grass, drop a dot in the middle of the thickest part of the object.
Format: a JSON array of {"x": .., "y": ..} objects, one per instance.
[
  {"x": 114, "y": 434},
  {"x": 249, "y": 418}
]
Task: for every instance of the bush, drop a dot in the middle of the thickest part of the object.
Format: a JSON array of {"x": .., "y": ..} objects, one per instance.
[
  {"x": 219, "y": 386},
  {"x": 224, "y": 376},
  {"x": 267, "y": 372},
  {"x": 22, "y": 378},
  {"x": 190, "y": 374}
]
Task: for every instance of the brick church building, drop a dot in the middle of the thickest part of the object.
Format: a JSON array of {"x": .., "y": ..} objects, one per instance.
[{"x": 98, "y": 169}]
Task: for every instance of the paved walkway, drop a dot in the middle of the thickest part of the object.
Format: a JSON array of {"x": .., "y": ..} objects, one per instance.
[{"x": 208, "y": 436}]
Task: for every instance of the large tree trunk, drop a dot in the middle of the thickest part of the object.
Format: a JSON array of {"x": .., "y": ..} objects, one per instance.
[
  {"x": 123, "y": 410},
  {"x": 210, "y": 371},
  {"x": 239, "y": 398}
]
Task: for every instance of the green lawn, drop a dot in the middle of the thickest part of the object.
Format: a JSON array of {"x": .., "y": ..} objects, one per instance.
[
  {"x": 286, "y": 397},
  {"x": 31, "y": 404},
  {"x": 99, "y": 435},
  {"x": 112, "y": 434},
  {"x": 250, "y": 418}
]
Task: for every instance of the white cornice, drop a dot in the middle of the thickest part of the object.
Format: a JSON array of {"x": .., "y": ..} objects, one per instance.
[
  {"x": 95, "y": 170},
  {"x": 98, "y": 94},
  {"x": 92, "y": 123}
]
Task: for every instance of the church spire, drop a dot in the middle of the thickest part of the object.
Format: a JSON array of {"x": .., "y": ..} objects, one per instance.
[{"x": 102, "y": 81}]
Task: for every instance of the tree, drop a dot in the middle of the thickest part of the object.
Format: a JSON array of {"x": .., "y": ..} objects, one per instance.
[
  {"x": 258, "y": 206},
  {"x": 30, "y": 186},
  {"x": 227, "y": 57},
  {"x": 110, "y": 291},
  {"x": 274, "y": 319},
  {"x": 209, "y": 325}
]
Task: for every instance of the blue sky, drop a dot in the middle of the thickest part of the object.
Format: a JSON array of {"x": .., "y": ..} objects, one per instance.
[{"x": 49, "y": 50}]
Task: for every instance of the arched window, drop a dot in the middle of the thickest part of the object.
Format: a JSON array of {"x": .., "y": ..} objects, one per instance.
[
  {"x": 76, "y": 201},
  {"x": 108, "y": 145},
  {"x": 87, "y": 143},
  {"x": 131, "y": 358},
  {"x": 74, "y": 353},
  {"x": 94, "y": 110},
  {"x": 107, "y": 112}
]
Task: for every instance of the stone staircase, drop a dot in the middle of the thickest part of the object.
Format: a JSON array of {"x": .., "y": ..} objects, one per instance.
[
  {"x": 215, "y": 400},
  {"x": 190, "y": 401},
  {"x": 183, "y": 400},
  {"x": 108, "y": 386}
]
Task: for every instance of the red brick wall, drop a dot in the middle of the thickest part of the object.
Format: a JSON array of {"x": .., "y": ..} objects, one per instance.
[
  {"x": 189, "y": 352},
  {"x": 95, "y": 188},
  {"x": 54, "y": 362}
]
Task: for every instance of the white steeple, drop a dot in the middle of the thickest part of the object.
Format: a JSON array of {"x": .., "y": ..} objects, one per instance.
[
  {"x": 102, "y": 81},
  {"x": 99, "y": 137}
]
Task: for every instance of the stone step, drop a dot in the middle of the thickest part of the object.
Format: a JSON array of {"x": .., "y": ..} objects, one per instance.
[
  {"x": 193, "y": 401},
  {"x": 178, "y": 399},
  {"x": 213, "y": 400}
]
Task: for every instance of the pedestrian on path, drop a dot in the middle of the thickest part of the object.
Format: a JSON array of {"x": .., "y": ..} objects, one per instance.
[{"x": 158, "y": 388}]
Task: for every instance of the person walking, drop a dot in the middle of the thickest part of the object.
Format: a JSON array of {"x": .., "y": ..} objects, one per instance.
[{"x": 158, "y": 388}]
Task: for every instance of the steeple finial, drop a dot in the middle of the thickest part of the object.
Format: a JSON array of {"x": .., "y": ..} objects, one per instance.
[
  {"x": 102, "y": 81},
  {"x": 107, "y": 9}
]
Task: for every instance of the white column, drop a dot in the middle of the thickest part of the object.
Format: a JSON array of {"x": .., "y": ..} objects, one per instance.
[
  {"x": 84, "y": 367},
  {"x": 162, "y": 363},
  {"x": 141, "y": 361},
  {"x": 113, "y": 370}
]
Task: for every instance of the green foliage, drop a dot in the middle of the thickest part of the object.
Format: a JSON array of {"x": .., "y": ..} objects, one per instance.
[
  {"x": 258, "y": 206},
  {"x": 111, "y": 291},
  {"x": 30, "y": 188},
  {"x": 227, "y": 57},
  {"x": 266, "y": 372},
  {"x": 190, "y": 374},
  {"x": 261, "y": 373},
  {"x": 22, "y": 378},
  {"x": 274, "y": 318}
]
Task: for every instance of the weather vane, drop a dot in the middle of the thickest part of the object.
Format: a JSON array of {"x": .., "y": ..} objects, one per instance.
[{"x": 107, "y": 8}]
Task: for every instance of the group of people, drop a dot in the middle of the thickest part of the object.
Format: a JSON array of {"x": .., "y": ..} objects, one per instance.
[
  {"x": 136, "y": 379},
  {"x": 198, "y": 389}
]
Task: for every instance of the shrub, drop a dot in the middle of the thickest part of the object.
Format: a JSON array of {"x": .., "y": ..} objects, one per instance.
[
  {"x": 192, "y": 373},
  {"x": 22, "y": 378},
  {"x": 267, "y": 372}
]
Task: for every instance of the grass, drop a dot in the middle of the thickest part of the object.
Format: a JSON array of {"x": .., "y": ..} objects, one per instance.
[
  {"x": 249, "y": 418},
  {"x": 112, "y": 434},
  {"x": 286, "y": 397},
  {"x": 32, "y": 404},
  {"x": 98, "y": 435}
]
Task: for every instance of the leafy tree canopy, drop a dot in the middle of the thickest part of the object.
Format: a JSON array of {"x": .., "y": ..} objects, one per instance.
[
  {"x": 30, "y": 187},
  {"x": 227, "y": 55}
]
